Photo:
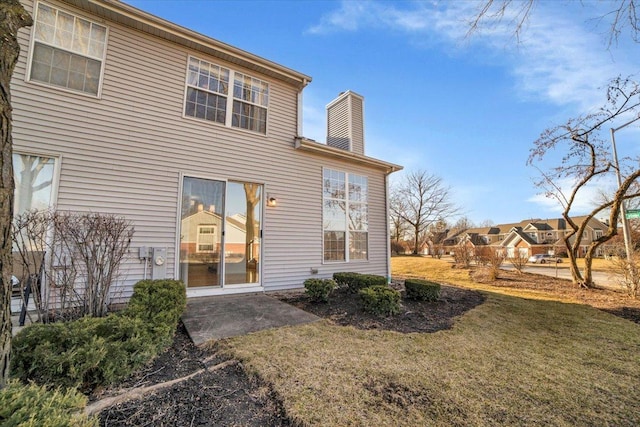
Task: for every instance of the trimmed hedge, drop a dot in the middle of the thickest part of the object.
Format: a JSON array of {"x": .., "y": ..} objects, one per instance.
[
  {"x": 159, "y": 304},
  {"x": 36, "y": 406},
  {"x": 345, "y": 278},
  {"x": 91, "y": 352},
  {"x": 380, "y": 300},
  {"x": 356, "y": 281},
  {"x": 319, "y": 289},
  {"x": 421, "y": 290}
]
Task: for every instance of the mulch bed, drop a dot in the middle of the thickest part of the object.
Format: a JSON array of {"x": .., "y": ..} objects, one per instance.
[
  {"x": 344, "y": 308},
  {"x": 225, "y": 397},
  {"x": 228, "y": 397}
]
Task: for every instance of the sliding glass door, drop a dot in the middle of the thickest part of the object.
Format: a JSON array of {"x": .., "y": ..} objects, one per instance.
[{"x": 220, "y": 229}]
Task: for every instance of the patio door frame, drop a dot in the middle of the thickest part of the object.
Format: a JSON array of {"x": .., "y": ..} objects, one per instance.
[{"x": 222, "y": 288}]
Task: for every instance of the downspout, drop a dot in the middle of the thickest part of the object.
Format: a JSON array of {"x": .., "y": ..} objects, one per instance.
[
  {"x": 299, "y": 109},
  {"x": 388, "y": 228}
]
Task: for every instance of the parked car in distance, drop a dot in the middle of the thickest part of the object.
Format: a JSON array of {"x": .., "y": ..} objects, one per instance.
[{"x": 544, "y": 258}]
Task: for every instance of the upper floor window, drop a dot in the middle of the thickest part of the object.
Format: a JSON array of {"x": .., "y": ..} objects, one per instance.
[
  {"x": 250, "y": 97},
  {"x": 68, "y": 51},
  {"x": 208, "y": 98}
]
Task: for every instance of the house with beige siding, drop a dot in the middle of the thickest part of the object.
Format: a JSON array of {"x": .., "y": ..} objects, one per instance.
[
  {"x": 529, "y": 237},
  {"x": 200, "y": 145}
]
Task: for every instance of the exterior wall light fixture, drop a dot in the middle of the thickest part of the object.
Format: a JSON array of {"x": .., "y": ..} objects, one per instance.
[{"x": 272, "y": 201}]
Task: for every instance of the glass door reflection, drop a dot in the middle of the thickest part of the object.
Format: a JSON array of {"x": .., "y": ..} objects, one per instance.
[
  {"x": 201, "y": 231},
  {"x": 242, "y": 236}
]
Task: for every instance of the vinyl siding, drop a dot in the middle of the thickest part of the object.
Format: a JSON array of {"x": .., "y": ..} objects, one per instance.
[
  {"x": 357, "y": 125},
  {"x": 124, "y": 153},
  {"x": 338, "y": 125}
]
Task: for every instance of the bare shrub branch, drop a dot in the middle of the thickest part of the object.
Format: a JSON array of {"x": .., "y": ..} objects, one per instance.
[{"x": 77, "y": 256}]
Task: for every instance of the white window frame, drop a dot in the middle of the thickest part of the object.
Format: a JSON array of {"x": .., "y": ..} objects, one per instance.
[
  {"x": 229, "y": 95},
  {"x": 55, "y": 179},
  {"x": 347, "y": 230},
  {"x": 32, "y": 44}
]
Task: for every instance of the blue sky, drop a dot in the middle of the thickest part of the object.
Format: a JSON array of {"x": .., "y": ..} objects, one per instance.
[{"x": 465, "y": 109}]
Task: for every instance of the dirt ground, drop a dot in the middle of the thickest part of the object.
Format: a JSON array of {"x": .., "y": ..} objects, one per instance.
[{"x": 228, "y": 397}]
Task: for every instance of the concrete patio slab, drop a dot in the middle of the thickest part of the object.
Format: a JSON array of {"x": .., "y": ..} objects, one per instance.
[{"x": 217, "y": 317}]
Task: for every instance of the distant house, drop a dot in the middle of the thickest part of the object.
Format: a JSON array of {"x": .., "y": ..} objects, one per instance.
[
  {"x": 200, "y": 145},
  {"x": 528, "y": 237}
]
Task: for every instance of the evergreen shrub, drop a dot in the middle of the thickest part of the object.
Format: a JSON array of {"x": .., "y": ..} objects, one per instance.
[
  {"x": 159, "y": 303},
  {"x": 319, "y": 289},
  {"x": 421, "y": 290},
  {"x": 345, "y": 279},
  {"x": 83, "y": 354},
  {"x": 380, "y": 300},
  {"x": 92, "y": 352},
  {"x": 37, "y": 406},
  {"x": 356, "y": 281}
]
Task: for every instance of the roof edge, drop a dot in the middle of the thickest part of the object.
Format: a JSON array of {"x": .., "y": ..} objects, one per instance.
[
  {"x": 311, "y": 146},
  {"x": 186, "y": 35}
]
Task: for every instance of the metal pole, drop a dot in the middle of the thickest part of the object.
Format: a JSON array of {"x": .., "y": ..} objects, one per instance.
[{"x": 623, "y": 211}]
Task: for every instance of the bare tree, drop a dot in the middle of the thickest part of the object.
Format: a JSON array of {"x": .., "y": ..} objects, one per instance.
[
  {"x": 462, "y": 224},
  {"x": 586, "y": 157},
  {"x": 437, "y": 232},
  {"x": 486, "y": 223},
  {"x": 12, "y": 17},
  {"x": 496, "y": 11},
  {"x": 426, "y": 200},
  {"x": 623, "y": 15},
  {"x": 399, "y": 226},
  {"x": 462, "y": 255},
  {"x": 518, "y": 260}
]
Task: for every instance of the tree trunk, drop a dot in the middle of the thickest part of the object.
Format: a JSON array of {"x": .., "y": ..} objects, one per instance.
[
  {"x": 251, "y": 268},
  {"x": 12, "y": 18}
]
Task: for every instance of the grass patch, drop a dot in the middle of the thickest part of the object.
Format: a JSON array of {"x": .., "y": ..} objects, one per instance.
[
  {"x": 442, "y": 271},
  {"x": 510, "y": 361}
]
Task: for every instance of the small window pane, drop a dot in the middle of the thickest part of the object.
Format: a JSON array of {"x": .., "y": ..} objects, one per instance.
[
  {"x": 190, "y": 109},
  {"x": 358, "y": 217},
  {"x": 201, "y": 111},
  {"x": 40, "y": 72},
  {"x": 358, "y": 246},
  {"x": 334, "y": 246},
  {"x": 46, "y": 15},
  {"x": 334, "y": 215},
  {"x": 76, "y": 81},
  {"x": 59, "y": 77},
  {"x": 98, "y": 33},
  {"x": 45, "y": 33},
  {"x": 65, "y": 22},
  {"x": 96, "y": 49},
  {"x": 202, "y": 97}
]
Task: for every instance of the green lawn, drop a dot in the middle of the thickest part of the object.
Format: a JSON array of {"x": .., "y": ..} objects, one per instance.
[{"x": 510, "y": 361}]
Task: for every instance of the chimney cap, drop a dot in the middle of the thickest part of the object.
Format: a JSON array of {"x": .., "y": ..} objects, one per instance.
[{"x": 343, "y": 95}]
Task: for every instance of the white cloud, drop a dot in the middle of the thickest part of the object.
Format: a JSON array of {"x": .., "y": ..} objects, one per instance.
[
  {"x": 559, "y": 59},
  {"x": 586, "y": 200}
]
